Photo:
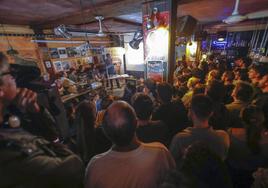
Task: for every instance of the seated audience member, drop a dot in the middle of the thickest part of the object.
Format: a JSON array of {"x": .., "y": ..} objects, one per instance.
[
  {"x": 73, "y": 75},
  {"x": 67, "y": 84},
  {"x": 228, "y": 78},
  {"x": 191, "y": 83},
  {"x": 27, "y": 160},
  {"x": 148, "y": 130},
  {"x": 134, "y": 164},
  {"x": 172, "y": 113},
  {"x": 200, "y": 111},
  {"x": 204, "y": 168},
  {"x": 220, "y": 119},
  {"x": 249, "y": 146},
  {"x": 242, "y": 95}
]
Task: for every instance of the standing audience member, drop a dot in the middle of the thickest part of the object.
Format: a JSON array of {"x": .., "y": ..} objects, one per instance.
[
  {"x": 249, "y": 146},
  {"x": 172, "y": 113},
  {"x": 228, "y": 79},
  {"x": 129, "y": 91},
  {"x": 129, "y": 163},
  {"x": 147, "y": 129},
  {"x": 85, "y": 122},
  {"x": 213, "y": 75},
  {"x": 217, "y": 140},
  {"x": 110, "y": 71},
  {"x": 241, "y": 74},
  {"x": 204, "y": 167},
  {"x": 242, "y": 96},
  {"x": 150, "y": 89},
  {"x": 191, "y": 83},
  {"x": 27, "y": 160},
  {"x": 220, "y": 118}
]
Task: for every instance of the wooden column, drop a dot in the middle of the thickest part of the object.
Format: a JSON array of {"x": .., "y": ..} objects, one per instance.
[
  {"x": 43, "y": 50},
  {"x": 172, "y": 39}
]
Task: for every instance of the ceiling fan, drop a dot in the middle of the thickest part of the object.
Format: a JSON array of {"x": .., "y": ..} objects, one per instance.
[
  {"x": 236, "y": 17},
  {"x": 69, "y": 32}
]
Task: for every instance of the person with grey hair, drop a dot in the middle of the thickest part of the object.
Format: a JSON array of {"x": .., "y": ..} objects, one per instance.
[{"x": 129, "y": 163}]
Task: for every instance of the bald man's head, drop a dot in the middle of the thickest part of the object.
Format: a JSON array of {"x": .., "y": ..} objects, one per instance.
[{"x": 120, "y": 123}]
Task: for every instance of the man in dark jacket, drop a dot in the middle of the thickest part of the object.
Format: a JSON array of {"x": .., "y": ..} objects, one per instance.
[{"x": 27, "y": 160}]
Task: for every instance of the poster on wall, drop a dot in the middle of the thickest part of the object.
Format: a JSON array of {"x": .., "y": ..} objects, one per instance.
[
  {"x": 155, "y": 70},
  {"x": 156, "y": 36}
]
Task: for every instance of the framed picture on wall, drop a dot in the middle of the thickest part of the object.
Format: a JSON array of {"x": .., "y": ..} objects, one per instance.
[
  {"x": 57, "y": 66},
  {"x": 48, "y": 64},
  {"x": 71, "y": 52},
  {"x": 62, "y": 52},
  {"x": 54, "y": 53}
]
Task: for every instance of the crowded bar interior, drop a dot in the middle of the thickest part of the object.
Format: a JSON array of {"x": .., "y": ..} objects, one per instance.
[{"x": 134, "y": 94}]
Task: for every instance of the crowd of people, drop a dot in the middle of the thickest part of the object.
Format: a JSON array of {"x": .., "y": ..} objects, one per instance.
[{"x": 209, "y": 129}]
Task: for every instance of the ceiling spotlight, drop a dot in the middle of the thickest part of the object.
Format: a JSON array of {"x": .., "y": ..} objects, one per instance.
[{"x": 138, "y": 37}]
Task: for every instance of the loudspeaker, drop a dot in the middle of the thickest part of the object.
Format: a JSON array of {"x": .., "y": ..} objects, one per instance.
[
  {"x": 186, "y": 26},
  {"x": 200, "y": 35}
]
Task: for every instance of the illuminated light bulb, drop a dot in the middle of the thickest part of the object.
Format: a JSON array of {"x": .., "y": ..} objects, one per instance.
[{"x": 157, "y": 42}]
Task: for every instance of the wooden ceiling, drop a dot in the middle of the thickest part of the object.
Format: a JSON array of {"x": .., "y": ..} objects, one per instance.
[
  {"x": 206, "y": 11},
  {"x": 120, "y": 15}
]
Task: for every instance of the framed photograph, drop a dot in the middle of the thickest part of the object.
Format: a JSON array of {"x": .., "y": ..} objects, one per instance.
[
  {"x": 48, "y": 64},
  {"x": 54, "y": 53},
  {"x": 57, "y": 66},
  {"x": 71, "y": 51},
  {"x": 62, "y": 52}
]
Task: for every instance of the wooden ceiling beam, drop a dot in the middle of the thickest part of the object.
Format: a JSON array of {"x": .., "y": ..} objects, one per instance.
[{"x": 108, "y": 9}]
